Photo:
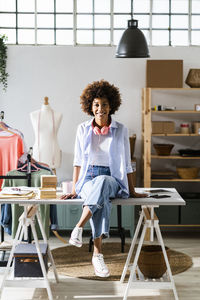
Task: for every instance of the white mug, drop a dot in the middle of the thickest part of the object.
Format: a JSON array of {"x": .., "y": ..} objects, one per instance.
[{"x": 67, "y": 187}]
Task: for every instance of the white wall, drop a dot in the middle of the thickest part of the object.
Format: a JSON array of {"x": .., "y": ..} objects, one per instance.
[{"x": 62, "y": 72}]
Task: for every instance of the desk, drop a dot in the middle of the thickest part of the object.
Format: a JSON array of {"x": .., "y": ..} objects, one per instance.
[
  {"x": 147, "y": 215},
  {"x": 175, "y": 199}
]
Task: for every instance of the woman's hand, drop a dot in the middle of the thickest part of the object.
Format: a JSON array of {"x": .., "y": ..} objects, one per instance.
[
  {"x": 132, "y": 192},
  {"x": 138, "y": 195},
  {"x": 72, "y": 195}
]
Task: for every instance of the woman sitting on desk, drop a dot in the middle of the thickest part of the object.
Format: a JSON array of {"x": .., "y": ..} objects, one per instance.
[{"x": 102, "y": 166}]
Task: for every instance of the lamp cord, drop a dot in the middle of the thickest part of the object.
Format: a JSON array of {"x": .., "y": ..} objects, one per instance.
[{"x": 131, "y": 9}]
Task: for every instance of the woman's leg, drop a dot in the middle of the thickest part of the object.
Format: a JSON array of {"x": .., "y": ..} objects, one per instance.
[
  {"x": 97, "y": 208},
  {"x": 100, "y": 268},
  {"x": 97, "y": 245},
  {"x": 86, "y": 215},
  {"x": 76, "y": 235},
  {"x": 102, "y": 188},
  {"x": 97, "y": 204}
]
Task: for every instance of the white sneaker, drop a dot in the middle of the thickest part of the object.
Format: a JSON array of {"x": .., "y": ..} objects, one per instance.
[
  {"x": 76, "y": 237},
  {"x": 99, "y": 265}
]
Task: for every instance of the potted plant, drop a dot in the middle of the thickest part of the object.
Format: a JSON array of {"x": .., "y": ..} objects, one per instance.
[{"x": 3, "y": 61}]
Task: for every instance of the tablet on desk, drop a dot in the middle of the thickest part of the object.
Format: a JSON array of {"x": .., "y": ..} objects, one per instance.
[
  {"x": 159, "y": 196},
  {"x": 158, "y": 191}
]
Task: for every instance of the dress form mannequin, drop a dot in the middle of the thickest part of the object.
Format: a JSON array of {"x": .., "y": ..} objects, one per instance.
[{"x": 46, "y": 123}]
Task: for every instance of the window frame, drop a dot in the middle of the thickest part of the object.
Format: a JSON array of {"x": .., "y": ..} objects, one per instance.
[{"x": 112, "y": 29}]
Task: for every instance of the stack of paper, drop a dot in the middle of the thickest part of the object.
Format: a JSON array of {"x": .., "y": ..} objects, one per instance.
[
  {"x": 20, "y": 192},
  {"x": 5, "y": 245}
]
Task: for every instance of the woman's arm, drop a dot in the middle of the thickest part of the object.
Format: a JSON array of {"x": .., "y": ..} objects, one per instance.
[
  {"x": 77, "y": 161},
  {"x": 132, "y": 192},
  {"x": 76, "y": 173},
  {"x": 73, "y": 194}
]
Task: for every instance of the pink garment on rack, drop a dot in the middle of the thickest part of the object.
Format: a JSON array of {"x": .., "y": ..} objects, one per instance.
[
  {"x": 11, "y": 149},
  {"x": 23, "y": 158}
]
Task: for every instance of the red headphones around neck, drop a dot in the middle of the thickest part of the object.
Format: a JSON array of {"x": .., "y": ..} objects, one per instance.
[{"x": 103, "y": 131}]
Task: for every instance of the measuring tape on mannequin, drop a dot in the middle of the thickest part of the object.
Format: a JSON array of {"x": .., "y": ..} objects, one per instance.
[{"x": 54, "y": 132}]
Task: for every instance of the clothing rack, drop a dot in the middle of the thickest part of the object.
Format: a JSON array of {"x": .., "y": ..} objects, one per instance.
[{"x": 28, "y": 177}]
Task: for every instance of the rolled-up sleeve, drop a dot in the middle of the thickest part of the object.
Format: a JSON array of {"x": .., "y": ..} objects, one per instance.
[
  {"x": 127, "y": 152},
  {"x": 78, "y": 148}
]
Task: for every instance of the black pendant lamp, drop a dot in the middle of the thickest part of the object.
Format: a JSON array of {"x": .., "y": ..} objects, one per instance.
[{"x": 133, "y": 43}]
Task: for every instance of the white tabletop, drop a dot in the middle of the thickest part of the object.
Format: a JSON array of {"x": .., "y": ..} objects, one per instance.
[{"x": 174, "y": 199}]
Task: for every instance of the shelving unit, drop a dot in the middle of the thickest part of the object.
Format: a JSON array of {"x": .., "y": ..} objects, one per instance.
[
  {"x": 150, "y": 160},
  {"x": 147, "y": 135}
]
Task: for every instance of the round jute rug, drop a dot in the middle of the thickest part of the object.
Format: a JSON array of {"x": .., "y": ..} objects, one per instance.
[{"x": 76, "y": 262}]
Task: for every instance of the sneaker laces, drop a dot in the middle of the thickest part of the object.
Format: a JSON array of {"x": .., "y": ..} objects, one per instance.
[
  {"x": 77, "y": 233},
  {"x": 101, "y": 262}
]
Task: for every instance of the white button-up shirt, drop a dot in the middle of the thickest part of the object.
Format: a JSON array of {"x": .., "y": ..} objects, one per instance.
[{"x": 119, "y": 154}]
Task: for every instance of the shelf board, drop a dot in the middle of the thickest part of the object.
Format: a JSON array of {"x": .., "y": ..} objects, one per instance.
[
  {"x": 174, "y": 157},
  {"x": 178, "y": 179},
  {"x": 175, "y": 112},
  {"x": 175, "y": 134},
  {"x": 184, "y": 88},
  {"x": 179, "y": 225}
]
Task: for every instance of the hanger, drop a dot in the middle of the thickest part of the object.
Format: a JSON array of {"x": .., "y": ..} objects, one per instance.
[
  {"x": 24, "y": 167},
  {"x": 40, "y": 163},
  {"x": 3, "y": 125},
  {"x": 5, "y": 128}
]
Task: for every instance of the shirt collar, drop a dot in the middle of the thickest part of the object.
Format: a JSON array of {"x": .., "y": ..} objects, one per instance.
[{"x": 112, "y": 125}]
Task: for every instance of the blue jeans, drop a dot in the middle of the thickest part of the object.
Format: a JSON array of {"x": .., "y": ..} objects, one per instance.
[
  {"x": 6, "y": 218},
  {"x": 99, "y": 187}
]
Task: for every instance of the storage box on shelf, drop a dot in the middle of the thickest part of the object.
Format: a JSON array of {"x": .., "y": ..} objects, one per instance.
[
  {"x": 163, "y": 127},
  {"x": 151, "y": 159},
  {"x": 164, "y": 73},
  {"x": 27, "y": 261},
  {"x": 196, "y": 127}
]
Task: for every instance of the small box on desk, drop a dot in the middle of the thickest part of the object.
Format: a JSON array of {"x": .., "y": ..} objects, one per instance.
[
  {"x": 45, "y": 193},
  {"x": 26, "y": 263},
  {"x": 48, "y": 187},
  {"x": 48, "y": 181}
]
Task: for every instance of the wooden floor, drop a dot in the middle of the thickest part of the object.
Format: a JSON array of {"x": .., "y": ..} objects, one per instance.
[{"x": 187, "y": 283}]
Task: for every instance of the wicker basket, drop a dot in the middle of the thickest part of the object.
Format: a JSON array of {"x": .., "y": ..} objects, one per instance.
[
  {"x": 193, "y": 78},
  {"x": 187, "y": 172},
  {"x": 151, "y": 261},
  {"x": 163, "y": 149}
]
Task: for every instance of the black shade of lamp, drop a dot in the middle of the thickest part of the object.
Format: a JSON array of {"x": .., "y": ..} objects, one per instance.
[{"x": 133, "y": 43}]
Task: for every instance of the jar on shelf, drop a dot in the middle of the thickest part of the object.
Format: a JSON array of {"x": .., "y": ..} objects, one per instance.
[{"x": 184, "y": 128}]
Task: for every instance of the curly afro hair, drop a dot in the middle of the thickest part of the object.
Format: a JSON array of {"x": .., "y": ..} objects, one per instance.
[{"x": 100, "y": 89}]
